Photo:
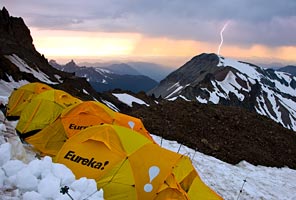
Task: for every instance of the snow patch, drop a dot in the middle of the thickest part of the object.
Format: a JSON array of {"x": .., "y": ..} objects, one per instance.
[
  {"x": 242, "y": 67},
  {"x": 129, "y": 99},
  {"x": 201, "y": 100},
  {"x": 23, "y": 67},
  {"x": 110, "y": 105}
]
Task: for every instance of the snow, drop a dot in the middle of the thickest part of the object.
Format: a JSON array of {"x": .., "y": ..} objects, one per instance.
[
  {"x": 261, "y": 182},
  {"x": 22, "y": 65},
  {"x": 183, "y": 97},
  {"x": 201, "y": 100},
  {"x": 229, "y": 84},
  {"x": 8, "y": 87},
  {"x": 175, "y": 91},
  {"x": 129, "y": 99},
  {"x": 285, "y": 88},
  {"x": 103, "y": 71},
  {"x": 242, "y": 67},
  {"x": 23, "y": 176},
  {"x": 173, "y": 86},
  {"x": 38, "y": 178},
  {"x": 85, "y": 92},
  {"x": 110, "y": 105}
]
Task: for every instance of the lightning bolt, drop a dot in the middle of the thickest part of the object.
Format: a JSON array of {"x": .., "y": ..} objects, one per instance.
[{"x": 221, "y": 36}]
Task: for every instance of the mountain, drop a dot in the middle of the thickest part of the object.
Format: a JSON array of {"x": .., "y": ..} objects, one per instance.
[
  {"x": 155, "y": 71},
  {"x": 289, "y": 69},
  {"x": 122, "y": 69},
  {"x": 20, "y": 62},
  {"x": 208, "y": 78},
  {"x": 108, "y": 78}
]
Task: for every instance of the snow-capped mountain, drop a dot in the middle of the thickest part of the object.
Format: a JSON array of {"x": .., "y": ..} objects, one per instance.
[
  {"x": 103, "y": 79},
  {"x": 208, "y": 78}
]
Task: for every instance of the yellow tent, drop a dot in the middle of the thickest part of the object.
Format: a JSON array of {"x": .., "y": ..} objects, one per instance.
[
  {"x": 76, "y": 118},
  {"x": 43, "y": 110},
  {"x": 190, "y": 181},
  {"x": 22, "y": 96},
  {"x": 125, "y": 164},
  {"x": 131, "y": 122}
]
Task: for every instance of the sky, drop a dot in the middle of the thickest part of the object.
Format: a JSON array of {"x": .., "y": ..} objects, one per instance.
[{"x": 169, "y": 32}]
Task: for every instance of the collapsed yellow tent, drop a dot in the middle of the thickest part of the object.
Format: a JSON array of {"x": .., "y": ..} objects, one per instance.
[
  {"x": 125, "y": 164},
  {"x": 22, "y": 96},
  {"x": 43, "y": 110},
  {"x": 76, "y": 118}
]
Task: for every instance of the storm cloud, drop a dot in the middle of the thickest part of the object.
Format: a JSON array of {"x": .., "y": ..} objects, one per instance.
[{"x": 267, "y": 22}]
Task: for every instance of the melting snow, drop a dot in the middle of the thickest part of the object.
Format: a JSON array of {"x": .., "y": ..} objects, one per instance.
[
  {"x": 129, "y": 99},
  {"x": 201, "y": 100},
  {"x": 229, "y": 84},
  {"x": 242, "y": 67},
  {"x": 175, "y": 91},
  {"x": 111, "y": 105},
  {"x": 22, "y": 65},
  {"x": 103, "y": 71}
]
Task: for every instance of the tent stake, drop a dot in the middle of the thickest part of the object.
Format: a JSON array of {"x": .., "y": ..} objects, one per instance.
[
  {"x": 241, "y": 190},
  {"x": 64, "y": 190},
  {"x": 193, "y": 154},
  {"x": 179, "y": 148}
]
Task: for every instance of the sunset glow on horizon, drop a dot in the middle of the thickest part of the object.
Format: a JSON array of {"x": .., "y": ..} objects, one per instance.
[{"x": 58, "y": 44}]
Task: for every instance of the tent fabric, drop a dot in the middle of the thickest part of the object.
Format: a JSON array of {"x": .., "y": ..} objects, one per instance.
[
  {"x": 131, "y": 122},
  {"x": 136, "y": 167},
  {"x": 20, "y": 97},
  {"x": 190, "y": 181},
  {"x": 78, "y": 117},
  {"x": 85, "y": 114},
  {"x": 48, "y": 144},
  {"x": 43, "y": 110},
  {"x": 132, "y": 161}
]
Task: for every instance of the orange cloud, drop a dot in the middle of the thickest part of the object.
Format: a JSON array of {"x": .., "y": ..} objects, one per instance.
[{"x": 79, "y": 44}]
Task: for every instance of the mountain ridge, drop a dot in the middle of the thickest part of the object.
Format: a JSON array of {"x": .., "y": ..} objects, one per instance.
[
  {"x": 208, "y": 78},
  {"x": 21, "y": 62},
  {"x": 104, "y": 79}
]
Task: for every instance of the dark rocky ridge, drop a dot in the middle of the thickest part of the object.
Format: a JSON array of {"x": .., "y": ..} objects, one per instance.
[
  {"x": 15, "y": 39},
  {"x": 231, "y": 134}
]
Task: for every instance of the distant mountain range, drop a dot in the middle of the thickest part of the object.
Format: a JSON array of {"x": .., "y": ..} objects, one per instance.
[
  {"x": 208, "y": 78},
  {"x": 110, "y": 77},
  {"x": 155, "y": 71}
]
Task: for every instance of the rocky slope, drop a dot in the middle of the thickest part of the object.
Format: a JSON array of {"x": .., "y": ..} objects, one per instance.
[{"x": 228, "y": 133}]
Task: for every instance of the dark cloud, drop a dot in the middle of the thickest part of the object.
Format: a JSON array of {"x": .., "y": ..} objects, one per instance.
[{"x": 268, "y": 22}]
